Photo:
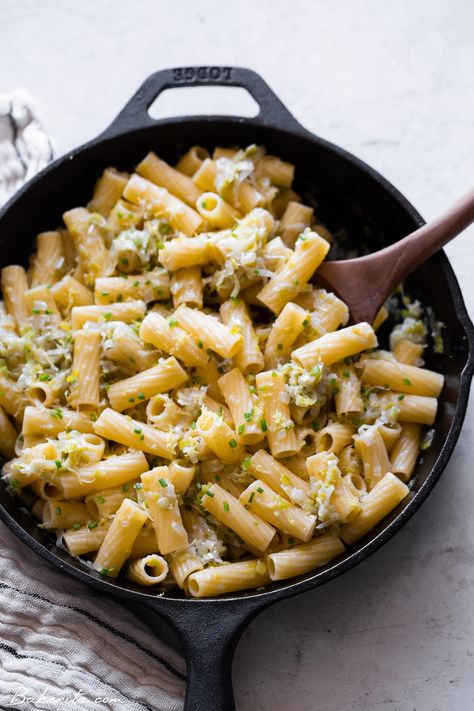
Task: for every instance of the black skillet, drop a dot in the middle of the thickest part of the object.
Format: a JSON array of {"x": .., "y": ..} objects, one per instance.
[{"x": 352, "y": 198}]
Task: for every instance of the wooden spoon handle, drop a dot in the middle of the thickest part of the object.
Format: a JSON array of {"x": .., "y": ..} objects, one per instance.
[{"x": 419, "y": 246}]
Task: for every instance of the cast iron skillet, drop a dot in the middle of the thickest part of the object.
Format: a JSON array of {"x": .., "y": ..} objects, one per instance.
[{"x": 349, "y": 194}]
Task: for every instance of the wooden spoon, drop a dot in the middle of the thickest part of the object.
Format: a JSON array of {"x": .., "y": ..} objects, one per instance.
[{"x": 366, "y": 282}]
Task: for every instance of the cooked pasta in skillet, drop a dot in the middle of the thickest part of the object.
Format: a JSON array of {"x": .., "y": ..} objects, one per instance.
[{"x": 181, "y": 403}]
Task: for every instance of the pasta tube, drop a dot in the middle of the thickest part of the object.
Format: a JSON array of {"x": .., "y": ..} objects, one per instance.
[
  {"x": 407, "y": 379},
  {"x": 162, "y": 505},
  {"x": 223, "y": 441},
  {"x": 333, "y": 347},
  {"x": 310, "y": 251},
  {"x": 119, "y": 539},
  {"x": 405, "y": 451},
  {"x": 161, "y": 173},
  {"x": 168, "y": 374},
  {"x": 233, "y": 514},
  {"x": 303, "y": 558},
  {"x": 276, "y": 422},
  {"x": 161, "y": 203},
  {"x": 94, "y": 257},
  {"x": 276, "y": 510},
  {"x": 243, "y": 406},
  {"x": 149, "y": 570},
  {"x": 213, "y": 334},
  {"x": 235, "y": 315},
  {"x": 131, "y": 433},
  {"x": 383, "y": 498},
  {"x": 49, "y": 261},
  {"x": 127, "y": 311},
  {"x": 228, "y": 578},
  {"x": 86, "y": 369},
  {"x": 285, "y": 330},
  {"x": 151, "y": 286},
  {"x": 371, "y": 449},
  {"x": 107, "y": 191},
  {"x": 168, "y": 336}
]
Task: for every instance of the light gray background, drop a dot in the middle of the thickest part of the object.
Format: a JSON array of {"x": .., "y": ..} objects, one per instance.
[{"x": 393, "y": 82}]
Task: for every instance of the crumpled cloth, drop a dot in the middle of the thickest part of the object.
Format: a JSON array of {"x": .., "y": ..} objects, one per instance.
[{"x": 63, "y": 646}]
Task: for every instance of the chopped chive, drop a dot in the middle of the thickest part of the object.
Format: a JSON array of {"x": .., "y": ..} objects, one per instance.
[
  {"x": 210, "y": 493},
  {"x": 125, "y": 487},
  {"x": 251, "y": 497},
  {"x": 163, "y": 483},
  {"x": 401, "y": 397},
  {"x": 279, "y": 346},
  {"x": 346, "y": 373},
  {"x": 173, "y": 323},
  {"x": 226, "y": 506},
  {"x": 58, "y": 510},
  {"x": 246, "y": 463},
  {"x": 263, "y": 425},
  {"x": 291, "y": 540},
  {"x": 406, "y": 381},
  {"x": 200, "y": 344},
  {"x": 119, "y": 297},
  {"x": 260, "y": 490},
  {"x": 240, "y": 429},
  {"x": 209, "y": 351},
  {"x": 92, "y": 524},
  {"x": 141, "y": 396},
  {"x": 100, "y": 499},
  {"x": 131, "y": 399},
  {"x": 249, "y": 415},
  {"x": 217, "y": 477},
  {"x": 233, "y": 443},
  {"x": 305, "y": 322},
  {"x": 105, "y": 571},
  {"x": 58, "y": 463},
  {"x": 136, "y": 283},
  {"x": 76, "y": 525}
]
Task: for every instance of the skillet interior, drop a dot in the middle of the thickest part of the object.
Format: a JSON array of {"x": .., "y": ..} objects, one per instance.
[{"x": 349, "y": 195}]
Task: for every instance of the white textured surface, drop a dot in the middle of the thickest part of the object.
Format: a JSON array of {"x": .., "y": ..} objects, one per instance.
[{"x": 393, "y": 83}]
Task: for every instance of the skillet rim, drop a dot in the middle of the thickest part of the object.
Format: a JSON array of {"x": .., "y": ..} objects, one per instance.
[{"x": 291, "y": 587}]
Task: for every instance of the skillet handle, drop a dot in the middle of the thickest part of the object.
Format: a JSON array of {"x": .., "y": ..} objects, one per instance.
[
  {"x": 208, "y": 632},
  {"x": 135, "y": 113}
]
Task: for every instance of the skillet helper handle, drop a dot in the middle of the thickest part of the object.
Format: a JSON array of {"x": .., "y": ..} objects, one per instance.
[
  {"x": 135, "y": 113},
  {"x": 208, "y": 632}
]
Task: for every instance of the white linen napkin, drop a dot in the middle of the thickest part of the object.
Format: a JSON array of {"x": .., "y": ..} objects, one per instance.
[{"x": 63, "y": 645}]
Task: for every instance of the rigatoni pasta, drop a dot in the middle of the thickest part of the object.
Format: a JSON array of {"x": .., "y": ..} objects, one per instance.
[{"x": 180, "y": 402}]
